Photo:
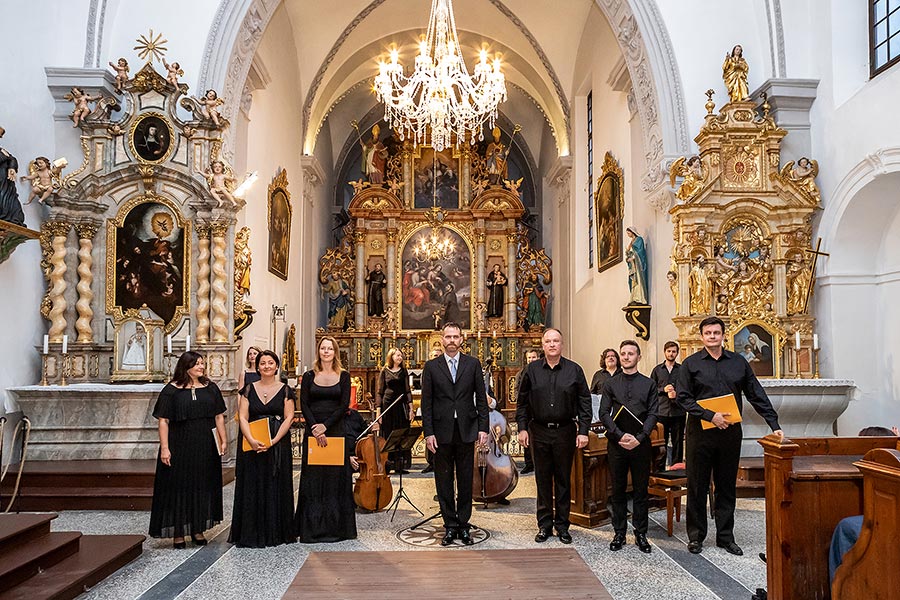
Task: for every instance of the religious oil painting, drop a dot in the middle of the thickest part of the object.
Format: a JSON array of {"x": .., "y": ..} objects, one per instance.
[
  {"x": 279, "y": 226},
  {"x": 436, "y": 178},
  {"x": 436, "y": 287},
  {"x": 151, "y": 138},
  {"x": 759, "y": 347},
  {"x": 151, "y": 267},
  {"x": 609, "y": 210}
]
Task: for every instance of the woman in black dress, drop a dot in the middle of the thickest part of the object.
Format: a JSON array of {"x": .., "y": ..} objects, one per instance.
[
  {"x": 392, "y": 383},
  {"x": 263, "y": 512},
  {"x": 610, "y": 365},
  {"x": 187, "y": 491},
  {"x": 325, "y": 508},
  {"x": 250, "y": 374}
]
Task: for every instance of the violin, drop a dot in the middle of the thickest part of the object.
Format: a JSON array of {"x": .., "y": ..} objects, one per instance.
[
  {"x": 373, "y": 489},
  {"x": 495, "y": 475}
]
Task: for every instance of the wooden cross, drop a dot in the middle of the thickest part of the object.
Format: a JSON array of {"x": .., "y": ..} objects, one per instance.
[{"x": 816, "y": 253}]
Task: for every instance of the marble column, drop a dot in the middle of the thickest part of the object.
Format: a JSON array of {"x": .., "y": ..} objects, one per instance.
[
  {"x": 391, "y": 268},
  {"x": 480, "y": 261},
  {"x": 781, "y": 289},
  {"x": 511, "y": 292},
  {"x": 202, "y": 329},
  {"x": 59, "y": 231},
  {"x": 360, "y": 309},
  {"x": 465, "y": 192},
  {"x": 86, "y": 232},
  {"x": 219, "y": 299}
]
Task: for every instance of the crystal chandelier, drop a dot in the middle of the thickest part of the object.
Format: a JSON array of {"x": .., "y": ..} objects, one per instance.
[
  {"x": 440, "y": 98},
  {"x": 436, "y": 246}
]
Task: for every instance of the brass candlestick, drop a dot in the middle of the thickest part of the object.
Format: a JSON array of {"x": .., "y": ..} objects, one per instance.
[
  {"x": 64, "y": 372},
  {"x": 816, "y": 359},
  {"x": 797, "y": 358},
  {"x": 43, "y": 369}
]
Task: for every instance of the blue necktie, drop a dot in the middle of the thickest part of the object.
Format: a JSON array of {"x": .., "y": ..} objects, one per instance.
[{"x": 453, "y": 369}]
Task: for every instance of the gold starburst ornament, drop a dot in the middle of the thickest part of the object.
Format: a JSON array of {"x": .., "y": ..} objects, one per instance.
[{"x": 151, "y": 47}]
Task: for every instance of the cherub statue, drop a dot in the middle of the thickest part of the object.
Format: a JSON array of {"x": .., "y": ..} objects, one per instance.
[
  {"x": 358, "y": 185},
  {"x": 174, "y": 72},
  {"x": 207, "y": 107},
  {"x": 803, "y": 174},
  {"x": 694, "y": 173},
  {"x": 121, "y": 69},
  {"x": 513, "y": 185},
  {"x": 734, "y": 72},
  {"x": 44, "y": 177},
  {"x": 221, "y": 181},
  {"x": 80, "y": 100},
  {"x": 396, "y": 187}
]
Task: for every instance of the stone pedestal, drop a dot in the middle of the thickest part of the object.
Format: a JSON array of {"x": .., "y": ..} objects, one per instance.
[{"x": 806, "y": 408}]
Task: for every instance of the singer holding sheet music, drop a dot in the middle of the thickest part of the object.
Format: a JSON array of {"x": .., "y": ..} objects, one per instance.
[
  {"x": 393, "y": 382},
  {"x": 709, "y": 373},
  {"x": 628, "y": 408}
]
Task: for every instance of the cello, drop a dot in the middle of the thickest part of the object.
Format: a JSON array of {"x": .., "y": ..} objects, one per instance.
[
  {"x": 495, "y": 475},
  {"x": 373, "y": 489}
]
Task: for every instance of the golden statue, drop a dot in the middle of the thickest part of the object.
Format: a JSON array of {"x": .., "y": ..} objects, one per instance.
[
  {"x": 242, "y": 261},
  {"x": 799, "y": 279},
  {"x": 290, "y": 357},
  {"x": 734, "y": 72},
  {"x": 701, "y": 290},
  {"x": 694, "y": 173},
  {"x": 803, "y": 174}
]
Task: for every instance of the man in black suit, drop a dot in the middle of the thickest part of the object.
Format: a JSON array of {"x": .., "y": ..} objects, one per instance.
[{"x": 454, "y": 416}]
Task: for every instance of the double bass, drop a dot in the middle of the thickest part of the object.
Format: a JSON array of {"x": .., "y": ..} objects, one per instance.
[
  {"x": 495, "y": 475},
  {"x": 373, "y": 489}
]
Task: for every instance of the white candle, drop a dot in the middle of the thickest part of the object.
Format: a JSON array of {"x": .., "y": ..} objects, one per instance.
[
  {"x": 305, "y": 368},
  {"x": 297, "y": 371},
  {"x": 494, "y": 334},
  {"x": 169, "y": 344},
  {"x": 46, "y": 344},
  {"x": 797, "y": 340},
  {"x": 187, "y": 343},
  {"x": 65, "y": 344},
  {"x": 479, "y": 335},
  {"x": 815, "y": 341}
]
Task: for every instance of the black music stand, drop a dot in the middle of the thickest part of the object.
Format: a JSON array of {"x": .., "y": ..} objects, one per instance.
[{"x": 402, "y": 440}]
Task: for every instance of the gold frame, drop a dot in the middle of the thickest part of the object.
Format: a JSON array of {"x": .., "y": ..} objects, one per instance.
[
  {"x": 777, "y": 343},
  {"x": 613, "y": 172},
  {"x": 134, "y": 125},
  {"x": 148, "y": 374},
  {"x": 119, "y": 221},
  {"x": 279, "y": 183},
  {"x": 416, "y": 159}
]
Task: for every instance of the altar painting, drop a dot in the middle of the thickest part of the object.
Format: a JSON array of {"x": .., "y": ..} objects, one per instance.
[
  {"x": 758, "y": 347},
  {"x": 439, "y": 291}
]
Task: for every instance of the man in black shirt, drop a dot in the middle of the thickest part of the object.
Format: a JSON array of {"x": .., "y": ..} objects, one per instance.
[
  {"x": 709, "y": 373},
  {"x": 671, "y": 415},
  {"x": 629, "y": 451},
  {"x": 530, "y": 357},
  {"x": 553, "y": 414}
]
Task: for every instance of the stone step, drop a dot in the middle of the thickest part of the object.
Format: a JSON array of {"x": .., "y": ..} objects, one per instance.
[
  {"x": 20, "y": 562},
  {"x": 18, "y": 529}
]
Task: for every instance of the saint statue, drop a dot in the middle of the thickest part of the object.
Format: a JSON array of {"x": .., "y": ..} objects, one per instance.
[
  {"x": 376, "y": 282},
  {"x": 799, "y": 278},
  {"x": 496, "y": 282},
  {"x": 374, "y": 154},
  {"x": 135, "y": 356},
  {"x": 700, "y": 288},
  {"x": 535, "y": 302},
  {"x": 636, "y": 257},
  {"x": 10, "y": 207},
  {"x": 734, "y": 72},
  {"x": 338, "y": 293},
  {"x": 495, "y": 157}
]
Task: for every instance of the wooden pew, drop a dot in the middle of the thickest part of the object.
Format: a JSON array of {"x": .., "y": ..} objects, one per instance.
[
  {"x": 811, "y": 484},
  {"x": 871, "y": 568}
]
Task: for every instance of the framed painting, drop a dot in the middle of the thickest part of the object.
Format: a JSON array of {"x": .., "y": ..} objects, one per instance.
[
  {"x": 279, "y": 225},
  {"x": 436, "y": 178},
  {"x": 138, "y": 349},
  {"x": 609, "y": 210},
  {"x": 760, "y": 347},
  {"x": 150, "y": 138}
]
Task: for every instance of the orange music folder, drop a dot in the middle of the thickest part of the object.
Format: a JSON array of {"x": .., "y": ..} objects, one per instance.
[
  {"x": 721, "y": 404},
  {"x": 259, "y": 429},
  {"x": 331, "y": 455}
]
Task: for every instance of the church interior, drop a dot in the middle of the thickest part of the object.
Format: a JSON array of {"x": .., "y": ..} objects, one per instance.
[{"x": 222, "y": 176}]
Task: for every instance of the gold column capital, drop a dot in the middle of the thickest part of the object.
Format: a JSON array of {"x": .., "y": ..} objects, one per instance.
[
  {"x": 86, "y": 231},
  {"x": 57, "y": 228},
  {"x": 202, "y": 231},
  {"x": 218, "y": 228}
]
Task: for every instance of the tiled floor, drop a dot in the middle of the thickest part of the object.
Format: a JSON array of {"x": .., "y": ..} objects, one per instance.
[{"x": 221, "y": 571}]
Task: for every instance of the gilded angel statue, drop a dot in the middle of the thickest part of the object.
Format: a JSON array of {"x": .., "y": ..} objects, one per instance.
[
  {"x": 513, "y": 184},
  {"x": 734, "y": 72},
  {"x": 803, "y": 174},
  {"x": 221, "y": 181},
  {"x": 44, "y": 177},
  {"x": 694, "y": 173}
]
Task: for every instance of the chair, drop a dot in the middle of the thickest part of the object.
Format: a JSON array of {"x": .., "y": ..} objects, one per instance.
[{"x": 671, "y": 485}]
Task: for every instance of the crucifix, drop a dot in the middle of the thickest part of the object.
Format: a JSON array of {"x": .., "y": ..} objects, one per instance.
[{"x": 816, "y": 253}]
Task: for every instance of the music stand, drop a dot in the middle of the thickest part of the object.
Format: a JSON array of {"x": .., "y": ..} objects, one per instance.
[{"x": 402, "y": 440}]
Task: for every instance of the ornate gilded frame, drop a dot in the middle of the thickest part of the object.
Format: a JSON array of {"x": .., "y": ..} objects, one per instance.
[
  {"x": 278, "y": 192},
  {"x": 776, "y": 344},
  {"x": 610, "y": 178},
  {"x": 112, "y": 225},
  {"x": 169, "y": 130},
  {"x": 457, "y": 157}
]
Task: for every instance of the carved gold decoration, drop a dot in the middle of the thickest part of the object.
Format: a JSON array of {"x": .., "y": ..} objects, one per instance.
[
  {"x": 359, "y": 358},
  {"x": 376, "y": 244},
  {"x": 242, "y": 262},
  {"x": 202, "y": 329},
  {"x": 290, "y": 358},
  {"x": 529, "y": 262},
  {"x": 46, "y": 241},
  {"x": 70, "y": 181},
  {"x": 803, "y": 177},
  {"x": 734, "y": 73},
  {"x": 59, "y": 231},
  {"x": 741, "y": 167},
  {"x": 151, "y": 47},
  {"x": 219, "y": 277},
  {"x": 496, "y": 351},
  {"x": 694, "y": 175},
  {"x": 495, "y": 245},
  {"x": 375, "y": 352},
  {"x": 86, "y": 232}
]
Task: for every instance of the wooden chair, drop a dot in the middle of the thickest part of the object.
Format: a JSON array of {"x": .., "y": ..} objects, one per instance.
[{"x": 671, "y": 485}]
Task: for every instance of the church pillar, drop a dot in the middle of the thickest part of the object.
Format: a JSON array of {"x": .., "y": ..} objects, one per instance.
[
  {"x": 360, "y": 315},
  {"x": 391, "y": 269},
  {"x": 512, "y": 239},
  {"x": 479, "y": 264},
  {"x": 684, "y": 289},
  {"x": 219, "y": 299},
  {"x": 202, "y": 330},
  {"x": 59, "y": 231},
  {"x": 86, "y": 232}
]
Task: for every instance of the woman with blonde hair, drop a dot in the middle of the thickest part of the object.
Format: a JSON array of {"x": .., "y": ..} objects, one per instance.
[
  {"x": 393, "y": 382},
  {"x": 249, "y": 374},
  {"x": 325, "y": 508}
]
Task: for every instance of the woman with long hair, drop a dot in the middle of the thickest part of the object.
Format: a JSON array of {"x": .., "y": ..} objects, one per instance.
[
  {"x": 393, "y": 382},
  {"x": 325, "y": 508},
  {"x": 264, "y": 492},
  {"x": 609, "y": 366},
  {"x": 187, "y": 491},
  {"x": 249, "y": 374}
]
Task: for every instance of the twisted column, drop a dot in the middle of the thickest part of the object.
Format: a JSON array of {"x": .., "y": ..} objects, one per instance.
[
  {"x": 219, "y": 278},
  {"x": 202, "y": 331},
  {"x": 59, "y": 232},
  {"x": 86, "y": 232}
]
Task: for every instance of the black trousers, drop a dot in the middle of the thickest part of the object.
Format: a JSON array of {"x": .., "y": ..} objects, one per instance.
[
  {"x": 455, "y": 462},
  {"x": 712, "y": 453},
  {"x": 529, "y": 461},
  {"x": 673, "y": 433},
  {"x": 637, "y": 461},
  {"x": 552, "y": 451}
]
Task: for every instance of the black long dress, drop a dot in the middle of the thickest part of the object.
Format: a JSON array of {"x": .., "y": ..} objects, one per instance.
[
  {"x": 187, "y": 496},
  {"x": 325, "y": 508},
  {"x": 390, "y": 386},
  {"x": 263, "y": 512}
]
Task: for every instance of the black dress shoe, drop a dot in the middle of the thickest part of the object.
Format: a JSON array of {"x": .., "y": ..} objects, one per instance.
[
  {"x": 617, "y": 542},
  {"x": 762, "y": 557},
  {"x": 527, "y": 470},
  {"x": 199, "y": 540},
  {"x": 640, "y": 539},
  {"x": 179, "y": 545},
  {"x": 564, "y": 536},
  {"x": 695, "y": 547},
  {"x": 542, "y": 536},
  {"x": 428, "y": 469},
  {"x": 731, "y": 548},
  {"x": 465, "y": 537},
  {"x": 448, "y": 538}
]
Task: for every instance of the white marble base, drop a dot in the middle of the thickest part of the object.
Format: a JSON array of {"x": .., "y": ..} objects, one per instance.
[{"x": 806, "y": 408}]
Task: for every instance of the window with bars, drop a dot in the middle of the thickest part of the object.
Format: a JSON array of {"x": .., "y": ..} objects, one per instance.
[
  {"x": 884, "y": 34},
  {"x": 590, "y": 176}
]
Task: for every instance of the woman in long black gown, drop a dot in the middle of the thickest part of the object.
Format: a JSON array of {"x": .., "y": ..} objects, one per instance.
[
  {"x": 393, "y": 382},
  {"x": 187, "y": 491},
  {"x": 263, "y": 512},
  {"x": 325, "y": 508}
]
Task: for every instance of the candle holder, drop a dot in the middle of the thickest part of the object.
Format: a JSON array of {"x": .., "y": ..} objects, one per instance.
[
  {"x": 43, "y": 369},
  {"x": 168, "y": 360},
  {"x": 64, "y": 372},
  {"x": 816, "y": 362},
  {"x": 797, "y": 361}
]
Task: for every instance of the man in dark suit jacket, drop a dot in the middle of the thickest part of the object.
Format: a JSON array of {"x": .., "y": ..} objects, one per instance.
[{"x": 454, "y": 416}]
